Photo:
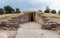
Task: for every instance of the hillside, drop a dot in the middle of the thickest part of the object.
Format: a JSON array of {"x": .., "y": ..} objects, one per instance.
[
  {"x": 8, "y": 16},
  {"x": 19, "y": 23},
  {"x": 55, "y": 17}
]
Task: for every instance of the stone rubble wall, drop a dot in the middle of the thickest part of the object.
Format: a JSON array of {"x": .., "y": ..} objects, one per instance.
[
  {"x": 50, "y": 24},
  {"x": 14, "y": 22}
]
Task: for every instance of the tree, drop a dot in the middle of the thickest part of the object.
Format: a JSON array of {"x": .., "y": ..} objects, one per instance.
[
  {"x": 47, "y": 10},
  {"x": 59, "y": 12},
  {"x": 53, "y": 11},
  {"x": 1, "y": 11},
  {"x": 8, "y": 9},
  {"x": 18, "y": 10},
  {"x": 40, "y": 10}
]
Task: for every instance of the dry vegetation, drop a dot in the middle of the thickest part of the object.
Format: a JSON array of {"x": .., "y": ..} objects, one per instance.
[
  {"x": 8, "y": 16},
  {"x": 53, "y": 17}
]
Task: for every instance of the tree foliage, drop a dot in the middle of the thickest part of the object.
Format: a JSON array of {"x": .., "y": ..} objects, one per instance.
[
  {"x": 18, "y": 10},
  {"x": 59, "y": 12},
  {"x": 53, "y": 11},
  {"x": 1, "y": 11},
  {"x": 47, "y": 10},
  {"x": 8, "y": 9},
  {"x": 40, "y": 10}
]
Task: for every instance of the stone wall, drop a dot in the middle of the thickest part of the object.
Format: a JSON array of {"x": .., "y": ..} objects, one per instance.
[
  {"x": 22, "y": 18},
  {"x": 14, "y": 22},
  {"x": 39, "y": 20}
]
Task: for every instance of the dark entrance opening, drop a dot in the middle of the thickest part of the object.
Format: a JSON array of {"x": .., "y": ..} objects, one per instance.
[{"x": 32, "y": 16}]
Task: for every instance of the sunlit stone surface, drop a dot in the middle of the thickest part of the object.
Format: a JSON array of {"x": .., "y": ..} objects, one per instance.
[
  {"x": 33, "y": 30},
  {"x": 3, "y": 35},
  {"x": 7, "y": 34}
]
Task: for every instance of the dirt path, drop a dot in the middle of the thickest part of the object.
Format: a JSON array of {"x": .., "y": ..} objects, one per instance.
[{"x": 33, "y": 30}]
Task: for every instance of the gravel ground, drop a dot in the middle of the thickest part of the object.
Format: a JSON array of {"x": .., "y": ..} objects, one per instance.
[{"x": 33, "y": 30}]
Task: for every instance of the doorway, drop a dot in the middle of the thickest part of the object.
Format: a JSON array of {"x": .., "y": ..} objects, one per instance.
[{"x": 32, "y": 17}]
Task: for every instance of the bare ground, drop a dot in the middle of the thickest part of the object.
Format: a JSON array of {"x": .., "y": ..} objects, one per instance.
[{"x": 33, "y": 30}]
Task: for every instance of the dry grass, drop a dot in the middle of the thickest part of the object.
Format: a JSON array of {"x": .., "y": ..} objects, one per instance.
[
  {"x": 54, "y": 17},
  {"x": 7, "y": 16}
]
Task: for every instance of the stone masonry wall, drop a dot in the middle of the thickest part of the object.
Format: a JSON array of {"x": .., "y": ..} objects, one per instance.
[{"x": 39, "y": 20}]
